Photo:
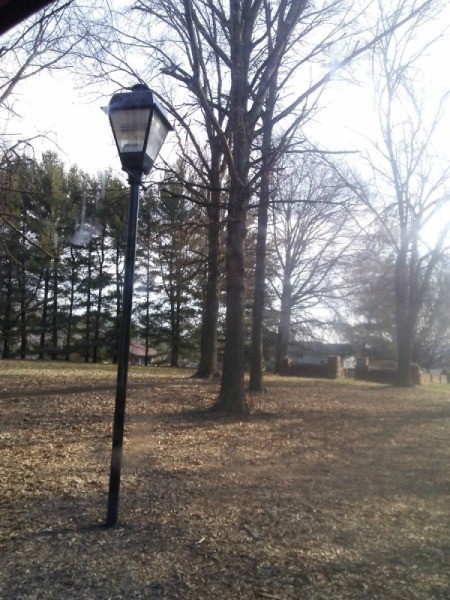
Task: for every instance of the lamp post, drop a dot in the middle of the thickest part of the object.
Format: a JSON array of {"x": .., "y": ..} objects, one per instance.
[{"x": 140, "y": 126}]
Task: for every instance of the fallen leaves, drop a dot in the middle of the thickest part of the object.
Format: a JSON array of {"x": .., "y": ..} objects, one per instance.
[{"x": 335, "y": 491}]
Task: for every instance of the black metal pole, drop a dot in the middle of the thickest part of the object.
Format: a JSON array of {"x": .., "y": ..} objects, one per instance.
[{"x": 123, "y": 352}]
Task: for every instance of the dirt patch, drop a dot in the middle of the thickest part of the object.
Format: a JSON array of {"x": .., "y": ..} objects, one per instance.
[{"x": 326, "y": 491}]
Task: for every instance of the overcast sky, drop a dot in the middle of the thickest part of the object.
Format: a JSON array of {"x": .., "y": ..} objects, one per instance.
[
  {"x": 77, "y": 127},
  {"x": 51, "y": 103}
]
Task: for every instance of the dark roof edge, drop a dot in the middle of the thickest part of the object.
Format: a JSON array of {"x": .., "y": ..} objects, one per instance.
[{"x": 12, "y": 12}]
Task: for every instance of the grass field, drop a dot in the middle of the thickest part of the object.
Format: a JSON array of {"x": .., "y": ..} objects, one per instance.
[{"x": 327, "y": 490}]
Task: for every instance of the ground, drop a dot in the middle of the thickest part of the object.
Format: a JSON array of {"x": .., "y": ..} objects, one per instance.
[{"x": 328, "y": 490}]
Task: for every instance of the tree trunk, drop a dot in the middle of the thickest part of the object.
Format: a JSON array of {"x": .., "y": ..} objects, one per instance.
[
  {"x": 98, "y": 311},
  {"x": 407, "y": 304},
  {"x": 44, "y": 313},
  {"x": 175, "y": 333},
  {"x": 404, "y": 354},
  {"x": 284, "y": 324},
  {"x": 71, "y": 303},
  {"x": 232, "y": 392},
  {"x": 404, "y": 324},
  {"x": 97, "y": 325},
  {"x": 23, "y": 311},
  {"x": 208, "y": 359},
  {"x": 207, "y": 367},
  {"x": 87, "y": 339},
  {"x": 23, "y": 329},
  {"x": 6, "y": 326},
  {"x": 147, "y": 310},
  {"x": 257, "y": 358},
  {"x": 55, "y": 311},
  {"x": 173, "y": 297},
  {"x": 118, "y": 307}
]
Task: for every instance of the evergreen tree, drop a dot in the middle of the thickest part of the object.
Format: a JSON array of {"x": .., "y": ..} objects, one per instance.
[{"x": 170, "y": 310}]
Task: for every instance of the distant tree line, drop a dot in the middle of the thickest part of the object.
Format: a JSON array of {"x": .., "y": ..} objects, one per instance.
[
  {"x": 62, "y": 247},
  {"x": 254, "y": 236},
  {"x": 61, "y": 253}
]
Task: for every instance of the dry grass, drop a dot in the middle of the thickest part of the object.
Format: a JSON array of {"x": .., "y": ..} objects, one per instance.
[{"x": 328, "y": 490}]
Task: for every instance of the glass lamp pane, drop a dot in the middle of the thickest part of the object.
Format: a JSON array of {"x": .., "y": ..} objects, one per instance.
[
  {"x": 157, "y": 135},
  {"x": 130, "y": 127}
]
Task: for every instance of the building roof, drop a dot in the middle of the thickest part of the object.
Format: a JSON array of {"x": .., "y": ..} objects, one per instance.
[
  {"x": 322, "y": 348},
  {"x": 137, "y": 349},
  {"x": 12, "y": 12}
]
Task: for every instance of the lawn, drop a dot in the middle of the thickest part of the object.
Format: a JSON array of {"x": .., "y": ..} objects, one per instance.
[{"x": 328, "y": 490}]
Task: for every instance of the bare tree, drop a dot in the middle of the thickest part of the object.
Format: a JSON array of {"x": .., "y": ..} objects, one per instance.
[
  {"x": 235, "y": 39},
  {"x": 433, "y": 326},
  {"x": 367, "y": 318},
  {"x": 312, "y": 235},
  {"x": 45, "y": 42},
  {"x": 40, "y": 44},
  {"x": 198, "y": 35},
  {"x": 206, "y": 190},
  {"x": 173, "y": 53},
  {"x": 410, "y": 177}
]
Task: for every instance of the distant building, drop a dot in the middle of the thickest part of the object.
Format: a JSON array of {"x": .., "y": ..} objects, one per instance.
[
  {"x": 137, "y": 354},
  {"x": 317, "y": 353}
]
